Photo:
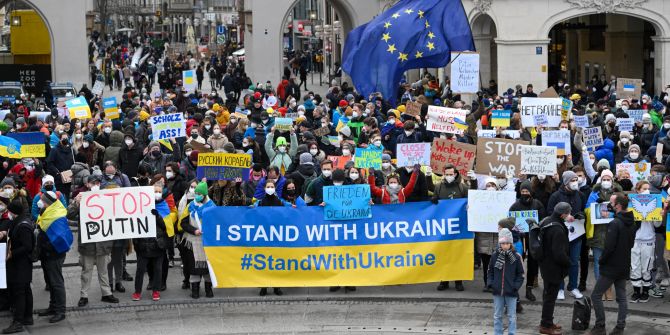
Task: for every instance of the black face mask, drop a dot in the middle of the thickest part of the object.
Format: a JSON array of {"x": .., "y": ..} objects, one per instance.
[
  {"x": 155, "y": 153},
  {"x": 526, "y": 199},
  {"x": 290, "y": 193},
  {"x": 610, "y": 208},
  {"x": 49, "y": 187},
  {"x": 64, "y": 142}
]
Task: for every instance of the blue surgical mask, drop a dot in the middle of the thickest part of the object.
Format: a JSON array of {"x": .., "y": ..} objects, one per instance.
[{"x": 199, "y": 197}]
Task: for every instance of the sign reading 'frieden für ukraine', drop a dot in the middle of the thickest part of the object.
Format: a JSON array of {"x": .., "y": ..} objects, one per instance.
[{"x": 283, "y": 246}]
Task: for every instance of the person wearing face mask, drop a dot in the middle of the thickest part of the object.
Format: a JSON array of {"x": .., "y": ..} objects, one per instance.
[
  {"x": 217, "y": 140},
  {"x": 256, "y": 173},
  {"x": 569, "y": 193},
  {"x": 113, "y": 177},
  {"x": 48, "y": 185},
  {"x": 157, "y": 160},
  {"x": 304, "y": 174},
  {"x": 634, "y": 155},
  {"x": 195, "y": 136},
  {"x": 95, "y": 254},
  {"x": 663, "y": 131},
  {"x": 409, "y": 134},
  {"x": 421, "y": 187},
  {"x": 622, "y": 147},
  {"x": 175, "y": 181},
  {"x": 647, "y": 134},
  {"x": 555, "y": 264},
  {"x": 314, "y": 191},
  {"x": 103, "y": 136},
  {"x": 282, "y": 154},
  {"x": 596, "y": 234},
  {"x": 185, "y": 253},
  {"x": 393, "y": 192},
  {"x": 111, "y": 153},
  {"x": 192, "y": 226},
  {"x": 29, "y": 172},
  {"x": 130, "y": 155},
  {"x": 274, "y": 175},
  {"x": 291, "y": 194},
  {"x": 91, "y": 150},
  {"x": 610, "y": 130},
  {"x": 61, "y": 159}
]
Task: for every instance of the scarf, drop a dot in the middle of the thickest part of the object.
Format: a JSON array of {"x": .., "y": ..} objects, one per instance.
[
  {"x": 393, "y": 194},
  {"x": 194, "y": 242},
  {"x": 503, "y": 256}
]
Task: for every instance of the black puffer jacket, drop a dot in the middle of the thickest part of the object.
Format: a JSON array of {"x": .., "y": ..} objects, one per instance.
[
  {"x": 555, "y": 248},
  {"x": 152, "y": 246},
  {"x": 615, "y": 260}
]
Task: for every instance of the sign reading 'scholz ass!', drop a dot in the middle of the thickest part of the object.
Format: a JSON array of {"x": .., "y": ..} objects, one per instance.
[
  {"x": 116, "y": 214},
  {"x": 168, "y": 126}
]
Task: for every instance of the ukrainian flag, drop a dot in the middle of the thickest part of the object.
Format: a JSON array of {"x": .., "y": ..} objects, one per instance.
[
  {"x": 167, "y": 210},
  {"x": 460, "y": 124},
  {"x": 54, "y": 223},
  {"x": 10, "y": 147}
]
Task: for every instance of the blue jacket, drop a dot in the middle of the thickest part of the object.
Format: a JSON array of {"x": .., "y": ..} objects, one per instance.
[
  {"x": 35, "y": 211},
  {"x": 260, "y": 188},
  {"x": 508, "y": 280},
  {"x": 606, "y": 151},
  {"x": 659, "y": 135}
]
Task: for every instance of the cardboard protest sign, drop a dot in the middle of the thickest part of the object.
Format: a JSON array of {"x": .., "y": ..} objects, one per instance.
[
  {"x": 442, "y": 119},
  {"x": 600, "y": 214},
  {"x": 110, "y": 108},
  {"x": 347, "y": 202},
  {"x": 413, "y": 108},
  {"x": 486, "y": 208},
  {"x": 498, "y": 157},
  {"x": 560, "y": 139},
  {"x": 581, "y": 121},
  {"x": 625, "y": 124},
  {"x": 168, "y": 126},
  {"x": 500, "y": 118},
  {"x": 409, "y": 154},
  {"x": 117, "y": 214},
  {"x": 339, "y": 161},
  {"x": 627, "y": 88},
  {"x": 551, "y": 107},
  {"x": 521, "y": 217},
  {"x": 32, "y": 144},
  {"x": 636, "y": 114},
  {"x": 3, "y": 266},
  {"x": 637, "y": 171},
  {"x": 200, "y": 147},
  {"x": 550, "y": 92},
  {"x": 566, "y": 108},
  {"x": 321, "y": 131},
  {"x": 334, "y": 140},
  {"x": 78, "y": 108},
  {"x": 593, "y": 137},
  {"x": 368, "y": 158},
  {"x": 538, "y": 160},
  {"x": 646, "y": 207},
  {"x": 575, "y": 229},
  {"x": 465, "y": 72},
  {"x": 283, "y": 123},
  {"x": 460, "y": 155},
  {"x": 223, "y": 166}
]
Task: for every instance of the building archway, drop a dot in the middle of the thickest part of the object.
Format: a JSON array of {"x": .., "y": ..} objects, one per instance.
[{"x": 484, "y": 32}]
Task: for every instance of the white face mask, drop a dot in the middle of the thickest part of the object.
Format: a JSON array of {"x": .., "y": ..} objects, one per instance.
[
  {"x": 386, "y": 165},
  {"x": 346, "y": 152},
  {"x": 354, "y": 114},
  {"x": 282, "y": 149},
  {"x": 339, "y": 183},
  {"x": 158, "y": 195},
  {"x": 187, "y": 153},
  {"x": 644, "y": 192},
  {"x": 169, "y": 174},
  {"x": 408, "y": 133},
  {"x": 78, "y": 136},
  {"x": 129, "y": 142},
  {"x": 625, "y": 108},
  {"x": 541, "y": 178},
  {"x": 634, "y": 155},
  {"x": 666, "y": 125},
  {"x": 606, "y": 184},
  {"x": 313, "y": 152},
  {"x": 449, "y": 179},
  {"x": 208, "y": 126},
  {"x": 217, "y": 131},
  {"x": 581, "y": 181},
  {"x": 327, "y": 173},
  {"x": 95, "y": 188},
  {"x": 574, "y": 185},
  {"x": 393, "y": 185},
  {"x": 85, "y": 144},
  {"x": 269, "y": 190},
  {"x": 353, "y": 176},
  {"x": 301, "y": 113},
  {"x": 560, "y": 160},
  {"x": 377, "y": 143},
  {"x": 624, "y": 140},
  {"x": 108, "y": 130},
  {"x": 491, "y": 188}
]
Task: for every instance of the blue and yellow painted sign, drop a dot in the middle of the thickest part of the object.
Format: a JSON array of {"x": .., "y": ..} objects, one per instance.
[{"x": 32, "y": 144}]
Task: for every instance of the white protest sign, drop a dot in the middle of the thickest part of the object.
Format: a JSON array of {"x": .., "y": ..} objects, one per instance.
[
  {"x": 637, "y": 171},
  {"x": 3, "y": 265},
  {"x": 441, "y": 119},
  {"x": 486, "y": 208},
  {"x": 116, "y": 214},
  {"x": 600, "y": 214},
  {"x": 593, "y": 137},
  {"x": 486, "y": 133},
  {"x": 168, "y": 126},
  {"x": 98, "y": 87},
  {"x": 575, "y": 229},
  {"x": 413, "y": 153},
  {"x": 40, "y": 115},
  {"x": 3, "y": 113},
  {"x": 541, "y": 119},
  {"x": 513, "y": 134},
  {"x": 537, "y": 160},
  {"x": 551, "y": 107},
  {"x": 581, "y": 121},
  {"x": 625, "y": 124},
  {"x": 465, "y": 72},
  {"x": 559, "y": 139}
]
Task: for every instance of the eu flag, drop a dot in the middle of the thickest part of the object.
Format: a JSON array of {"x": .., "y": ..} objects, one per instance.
[{"x": 412, "y": 34}]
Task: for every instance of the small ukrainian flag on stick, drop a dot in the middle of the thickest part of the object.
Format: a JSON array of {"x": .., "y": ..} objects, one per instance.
[{"x": 460, "y": 124}]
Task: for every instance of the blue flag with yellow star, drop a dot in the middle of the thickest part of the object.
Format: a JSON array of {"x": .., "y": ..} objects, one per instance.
[{"x": 412, "y": 34}]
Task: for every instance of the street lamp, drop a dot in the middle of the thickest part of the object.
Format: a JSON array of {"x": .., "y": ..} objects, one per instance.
[{"x": 312, "y": 14}]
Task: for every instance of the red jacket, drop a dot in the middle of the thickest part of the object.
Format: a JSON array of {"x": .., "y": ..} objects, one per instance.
[
  {"x": 33, "y": 183},
  {"x": 384, "y": 195}
]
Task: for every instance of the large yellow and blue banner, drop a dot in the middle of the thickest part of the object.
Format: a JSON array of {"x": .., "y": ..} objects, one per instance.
[
  {"x": 291, "y": 247},
  {"x": 32, "y": 144}
]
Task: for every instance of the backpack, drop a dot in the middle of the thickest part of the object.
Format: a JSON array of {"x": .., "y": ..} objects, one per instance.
[
  {"x": 35, "y": 251},
  {"x": 581, "y": 313},
  {"x": 535, "y": 237},
  {"x": 306, "y": 182}
]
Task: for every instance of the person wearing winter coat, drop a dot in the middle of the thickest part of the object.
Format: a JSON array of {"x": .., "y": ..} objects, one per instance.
[
  {"x": 634, "y": 155},
  {"x": 19, "y": 266},
  {"x": 283, "y": 155},
  {"x": 48, "y": 184},
  {"x": 555, "y": 264},
  {"x": 115, "y": 144},
  {"x": 130, "y": 155},
  {"x": 615, "y": 264},
  {"x": 151, "y": 250},
  {"x": 217, "y": 140},
  {"x": 157, "y": 159},
  {"x": 642, "y": 254},
  {"x": 274, "y": 176},
  {"x": 393, "y": 192},
  {"x": 304, "y": 172},
  {"x": 112, "y": 176},
  {"x": 61, "y": 159},
  {"x": 192, "y": 225},
  {"x": 606, "y": 151},
  {"x": 93, "y": 254},
  {"x": 256, "y": 173},
  {"x": 504, "y": 279}
]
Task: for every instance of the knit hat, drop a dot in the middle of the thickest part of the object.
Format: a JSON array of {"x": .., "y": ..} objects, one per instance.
[
  {"x": 525, "y": 186},
  {"x": 154, "y": 144},
  {"x": 343, "y": 103},
  {"x": 505, "y": 236},
  {"x": 8, "y": 181},
  {"x": 281, "y": 140},
  {"x": 49, "y": 198},
  {"x": 634, "y": 146},
  {"x": 610, "y": 117},
  {"x": 194, "y": 155},
  {"x": 306, "y": 159},
  {"x": 93, "y": 178},
  {"x": 603, "y": 163},
  {"x": 229, "y": 148},
  {"x": 606, "y": 173},
  {"x": 491, "y": 180},
  {"x": 20, "y": 120},
  {"x": 144, "y": 115},
  {"x": 402, "y": 109},
  {"x": 216, "y": 107},
  {"x": 48, "y": 179},
  {"x": 625, "y": 134},
  {"x": 562, "y": 208},
  {"x": 346, "y": 131},
  {"x": 507, "y": 223},
  {"x": 88, "y": 138},
  {"x": 386, "y": 157},
  {"x": 567, "y": 176},
  {"x": 16, "y": 206},
  {"x": 201, "y": 188},
  {"x": 575, "y": 97}
]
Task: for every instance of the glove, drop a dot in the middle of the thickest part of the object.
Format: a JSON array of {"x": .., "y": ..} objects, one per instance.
[
  {"x": 417, "y": 167},
  {"x": 472, "y": 175},
  {"x": 154, "y": 212},
  {"x": 429, "y": 171},
  {"x": 434, "y": 201},
  {"x": 585, "y": 149},
  {"x": 579, "y": 216}
]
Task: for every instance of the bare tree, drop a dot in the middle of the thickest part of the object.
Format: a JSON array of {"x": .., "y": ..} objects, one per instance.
[{"x": 106, "y": 8}]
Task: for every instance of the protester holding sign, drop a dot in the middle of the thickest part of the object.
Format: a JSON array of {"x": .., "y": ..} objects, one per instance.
[
  {"x": 642, "y": 254},
  {"x": 192, "y": 226}
]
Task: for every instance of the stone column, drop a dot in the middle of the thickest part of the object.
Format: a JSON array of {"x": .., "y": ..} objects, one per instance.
[
  {"x": 483, "y": 46},
  {"x": 661, "y": 62}
]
